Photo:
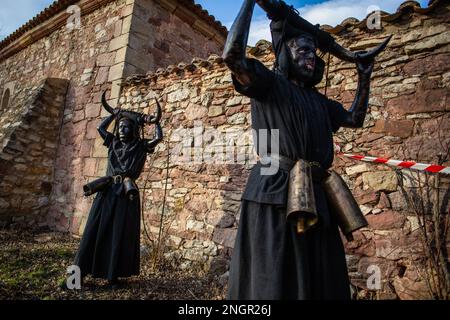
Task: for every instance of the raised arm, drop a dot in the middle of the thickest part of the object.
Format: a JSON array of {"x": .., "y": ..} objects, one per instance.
[
  {"x": 357, "y": 113},
  {"x": 234, "y": 53},
  {"x": 151, "y": 144},
  {"x": 103, "y": 128}
]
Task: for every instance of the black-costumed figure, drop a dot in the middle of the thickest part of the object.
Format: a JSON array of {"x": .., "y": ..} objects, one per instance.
[
  {"x": 110, "y": 246},
  {"x": 288, "y": 244}
]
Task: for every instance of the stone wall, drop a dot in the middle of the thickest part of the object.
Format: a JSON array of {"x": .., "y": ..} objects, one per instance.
[
  {"x": 29, "y": 143},
  {"x": 83, "y": 57},
  {"x": 160, "y": 36},
  {"x": 111, "y": 43},
  {"x": 408, "y": 119}
]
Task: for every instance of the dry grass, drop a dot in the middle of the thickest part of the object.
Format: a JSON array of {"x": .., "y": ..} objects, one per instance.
[{"x": 33, "y": 266}]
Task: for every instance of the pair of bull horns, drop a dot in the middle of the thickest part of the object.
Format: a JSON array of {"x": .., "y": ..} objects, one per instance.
[
  {"x": 279, "y": 10},
  {"x": 346, "y": 55},
  {"x": 146, "y": 118}
]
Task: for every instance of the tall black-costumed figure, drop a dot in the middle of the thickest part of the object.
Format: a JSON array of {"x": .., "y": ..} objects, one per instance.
[
  {"x": 288, "y": 244},
  {"x": 110, "y": 247}
]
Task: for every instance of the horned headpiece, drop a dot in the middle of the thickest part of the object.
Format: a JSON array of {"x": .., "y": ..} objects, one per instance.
[
  {"x": 139, "y": 119},
  {"x": 286, "y": 23}
]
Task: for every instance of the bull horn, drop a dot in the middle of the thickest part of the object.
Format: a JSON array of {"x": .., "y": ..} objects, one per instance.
[
  {"x": 106, "y": 105},
  {"x": 279, "y": 10},
  {"x": 158, "y": 112},
  {"x": 154, "y": 118},
  {"x": 346, "y": 55}
]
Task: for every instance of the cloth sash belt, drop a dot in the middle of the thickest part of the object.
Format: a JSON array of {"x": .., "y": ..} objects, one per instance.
[{"x": 285, "y": 163}]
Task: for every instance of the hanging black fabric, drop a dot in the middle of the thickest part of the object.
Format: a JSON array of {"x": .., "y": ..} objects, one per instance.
[
  {"x": 110, "y": 247},
  {"x": 270, "y": 259}
]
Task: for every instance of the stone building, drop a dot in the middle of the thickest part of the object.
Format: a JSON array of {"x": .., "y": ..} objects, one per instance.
[
  {"x": 53, "y": 71},
  {"x": 194, "y": 198}
]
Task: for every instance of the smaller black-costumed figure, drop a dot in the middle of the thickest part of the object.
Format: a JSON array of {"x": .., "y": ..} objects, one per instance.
[{"x": 110, "y": 247}]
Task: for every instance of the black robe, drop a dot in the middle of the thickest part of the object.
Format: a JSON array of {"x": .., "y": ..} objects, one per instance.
[
  {"x": 110, "y": 246},
  {"x": 270, "y": 260}
]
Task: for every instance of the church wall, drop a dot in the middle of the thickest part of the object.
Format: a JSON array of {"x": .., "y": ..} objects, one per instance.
[
  {"x": 28, "y": 151},
  {"x": 82, "y": 157},
  {"x": 94, "y": 58},
  {"x": 160, "y": 36},
  {"x": 83, "y": 56}
]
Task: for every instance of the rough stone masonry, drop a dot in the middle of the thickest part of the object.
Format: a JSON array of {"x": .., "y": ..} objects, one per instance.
[
  {"x": 408, "y": 120},
  {"x": 116, "y": 38}
]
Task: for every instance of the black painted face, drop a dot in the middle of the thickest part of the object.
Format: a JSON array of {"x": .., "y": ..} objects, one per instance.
[
  {"x": 303, "y": 58},
  {"x": 126, "y": 133}
]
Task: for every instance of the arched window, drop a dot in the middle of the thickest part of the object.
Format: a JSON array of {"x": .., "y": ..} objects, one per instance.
[{"x": 5, "y": 100}]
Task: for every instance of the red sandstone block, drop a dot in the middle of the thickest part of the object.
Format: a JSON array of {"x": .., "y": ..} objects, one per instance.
[
  {"x": 431, "y": 65},
  {"x": 347, "y": 97},
  {"x": 102, "y": 75},
  {"x": 75, "y": 224},
  {"x": 91, "y": 130},
  {"x": 365, "y": 197},
  {"x": 90, "y": 166},
  {"x": 386, "y": 221},
  {"x": 217, "y": 121},
  {"x": 225, "y": 237},
  {"x": 85, "y": 150},
  {"x": 78, "y": 116},
  {"x": 79, "y": 128},
  {"x": 106, "y": 59},
  {"x": 431, "y": 100},
  {"x": 397, "y": 128},
  {"x": 93, "y": 110}
]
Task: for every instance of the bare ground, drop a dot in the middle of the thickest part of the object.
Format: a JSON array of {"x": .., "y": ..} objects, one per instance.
[{"x": 33, "y": 266}]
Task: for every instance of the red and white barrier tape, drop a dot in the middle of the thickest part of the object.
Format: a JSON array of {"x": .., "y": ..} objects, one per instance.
[{"x": 397, "y": 163}]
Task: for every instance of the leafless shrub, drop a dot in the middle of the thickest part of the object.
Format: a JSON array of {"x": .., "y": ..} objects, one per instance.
[{"x": 427, "y": 195}]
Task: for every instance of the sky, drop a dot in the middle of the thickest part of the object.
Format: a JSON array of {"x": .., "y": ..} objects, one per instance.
[{"x": 14, "y": 13}]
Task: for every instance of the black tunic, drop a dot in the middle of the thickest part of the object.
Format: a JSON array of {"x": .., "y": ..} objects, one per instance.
[
  {"x": 270, "y": 260},
  {"x": 110, "y": 245}
]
